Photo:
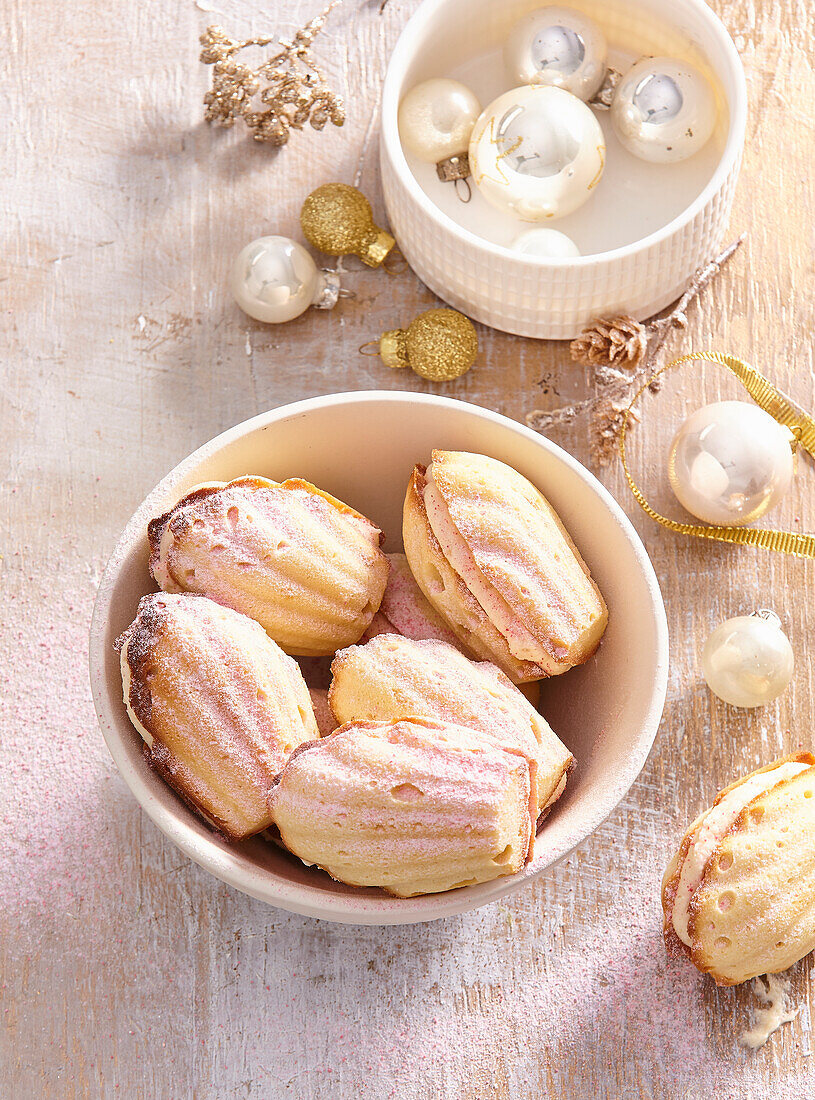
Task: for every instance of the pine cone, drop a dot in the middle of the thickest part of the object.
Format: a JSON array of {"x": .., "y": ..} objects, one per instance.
[{"x": 611, "y": 341}]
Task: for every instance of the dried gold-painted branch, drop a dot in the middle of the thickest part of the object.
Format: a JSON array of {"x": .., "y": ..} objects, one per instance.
[
  {"x": 282, "y": 94},
  {"x": 622, "y": 342}
]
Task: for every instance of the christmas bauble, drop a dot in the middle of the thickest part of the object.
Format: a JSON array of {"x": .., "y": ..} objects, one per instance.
[
  {"x": 337, "y": 219},
  {"x": 436, "y": 119},
  {"x": 663, "y": 110},
  {"x": 748, "y": 661},
  {"x": 559, "y": 47},
  {"x": 274, "y": 279},
  {"x": 730, "y": 462},
  {"x": 547, "y": 244},
  {"x": 537, "y": 152},
  {"x": 439, "y": 344}
]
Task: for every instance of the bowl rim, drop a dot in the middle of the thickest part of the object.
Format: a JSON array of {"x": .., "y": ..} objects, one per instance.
[
  {"x": 403, "y": 53},
  {"x": 261, "y": 883}
]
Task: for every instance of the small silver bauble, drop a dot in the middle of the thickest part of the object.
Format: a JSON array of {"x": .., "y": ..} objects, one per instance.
[
  {"x": 547, "y": 244},
  {"x": 559, "y": 47},
  {"x": 274, "y": 279},
  {"x": 436, "y": 119},
  {"x": 748, "y": 661},
  {"x": 730, "y": 462},
  {"x": 663, "y": 110},
  {"x": 537, "y": 152}
]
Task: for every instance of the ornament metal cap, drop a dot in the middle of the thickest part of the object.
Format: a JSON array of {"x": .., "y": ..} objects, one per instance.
[
  {"x": 329, "y": 291},
  {"x": 374, "y": 251},
  {"x": 393, "y": 348},
  {"x": 453, "y": 168}
]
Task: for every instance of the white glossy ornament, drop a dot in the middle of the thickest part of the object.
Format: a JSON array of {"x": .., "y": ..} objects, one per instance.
[
  {"x": 436, "y": 119},
  {"x": 663, "y": 110},
  {"x": 558, "y": 47},
  {"x": 274, "y": 279},
  {"x": 537, "y": 152},
  {"x": 748, "y": 661},
  {"x": 730, "y": 462},
  {"x": 549, "y": 244}
]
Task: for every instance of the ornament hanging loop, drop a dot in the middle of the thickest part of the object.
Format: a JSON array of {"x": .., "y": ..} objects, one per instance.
[
  {"x": 464, "y": 192},
  {"x": 768, "y": 615},
  {"x": 394, "y": 263},
  {"x": 772, "y": 401},
  {"x": 370, "y": 348}
]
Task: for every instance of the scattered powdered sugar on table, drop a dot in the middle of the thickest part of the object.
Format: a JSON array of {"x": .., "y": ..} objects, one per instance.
[{"x": 133, "y": 947}]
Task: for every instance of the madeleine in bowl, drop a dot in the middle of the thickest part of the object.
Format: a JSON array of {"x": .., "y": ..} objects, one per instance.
[
  {"x": 495, "y": 561},
  {"x": 361, "y": 448},
  {"x": 300, "y": 562}
]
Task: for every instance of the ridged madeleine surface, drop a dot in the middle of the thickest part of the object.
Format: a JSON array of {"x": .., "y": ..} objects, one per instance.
[
  {"x": 304, "y": 565},
  {"x": 752, "y": 910},
  {"x": 494, "y": 559},
  {"x": 414, "y": 807},
  {"x": 392, "y": 677},
  {"x": 219, "y": 705},
  {"x": 516, "y": 572}
]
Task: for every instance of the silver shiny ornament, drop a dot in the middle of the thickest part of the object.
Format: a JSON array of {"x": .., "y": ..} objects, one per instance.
[
  {"x": 546, "y": 244},
  {"x": 558, "y": 47},
  {"x": 748, "y": 661},
  {"x": 730, "y": 462},
  {"x": 274, "y": 279},
  {"x": 663, "y": 110},
  {"x": 537, "y": 152}
]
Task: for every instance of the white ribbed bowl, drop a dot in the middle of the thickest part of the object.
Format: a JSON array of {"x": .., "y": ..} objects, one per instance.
[
  {"x": 362, "y": 448},
  {"x": 555, "y": 299}
]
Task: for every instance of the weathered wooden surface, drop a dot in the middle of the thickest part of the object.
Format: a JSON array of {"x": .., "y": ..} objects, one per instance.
[{"x": 128, "y": 972}]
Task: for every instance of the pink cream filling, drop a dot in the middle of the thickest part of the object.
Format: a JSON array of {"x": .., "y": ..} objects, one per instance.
[
  {"x": 710, "y": 832},
  {"x": 522, "y": 644}
]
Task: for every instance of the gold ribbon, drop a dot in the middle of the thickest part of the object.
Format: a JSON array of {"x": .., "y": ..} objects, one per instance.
[{"x": 782, "y": 409}]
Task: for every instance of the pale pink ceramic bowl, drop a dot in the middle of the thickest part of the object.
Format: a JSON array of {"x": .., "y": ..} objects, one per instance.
[{"x": 362, "y": 447}]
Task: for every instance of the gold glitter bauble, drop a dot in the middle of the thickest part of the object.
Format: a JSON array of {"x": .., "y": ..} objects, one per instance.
[
  {"x": 337, "y": 219},
  {"x": 440, "y": 344}
]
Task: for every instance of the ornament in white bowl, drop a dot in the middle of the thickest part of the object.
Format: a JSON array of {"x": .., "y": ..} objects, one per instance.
[
  {"x": 274, "y": 279},
  {"x": 537, "y": 153},
  {"x": 730, "y": 463},
  {"x": 559, "y": 47},
  {"x": 436, "y": 119},
  {"x": 548, "y": 244},
  {"x": 663, "y": 110},
  {"x": 748, "y": 661}
]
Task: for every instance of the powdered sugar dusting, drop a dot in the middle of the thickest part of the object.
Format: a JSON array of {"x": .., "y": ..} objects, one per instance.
[{"x": 116, "y": 940}]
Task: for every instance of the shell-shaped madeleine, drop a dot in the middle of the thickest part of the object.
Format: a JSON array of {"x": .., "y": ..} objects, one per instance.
[
  {"x": 739, "y": 896},
  {"x": 391, "y": 677},
  {"x": 219, "y": 705},
  {"x": 514, "y": 586},
  {"x": 304, "y": 565},
  {"x": 413, "y": 807},
  {"x": 406, "y": 610}
]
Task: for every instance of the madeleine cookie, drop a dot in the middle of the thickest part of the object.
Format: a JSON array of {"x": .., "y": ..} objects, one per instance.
[
  {"x": 739, "y": 895},
  {"x": 494, "y": 560},
  {"x": 405, "y": 609},
  {"x": 306, "y": 566},
  {"x": 219, "y": 705},
  {"x": 391, "y": 677},
  {"x": 413, "y": 807}
]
